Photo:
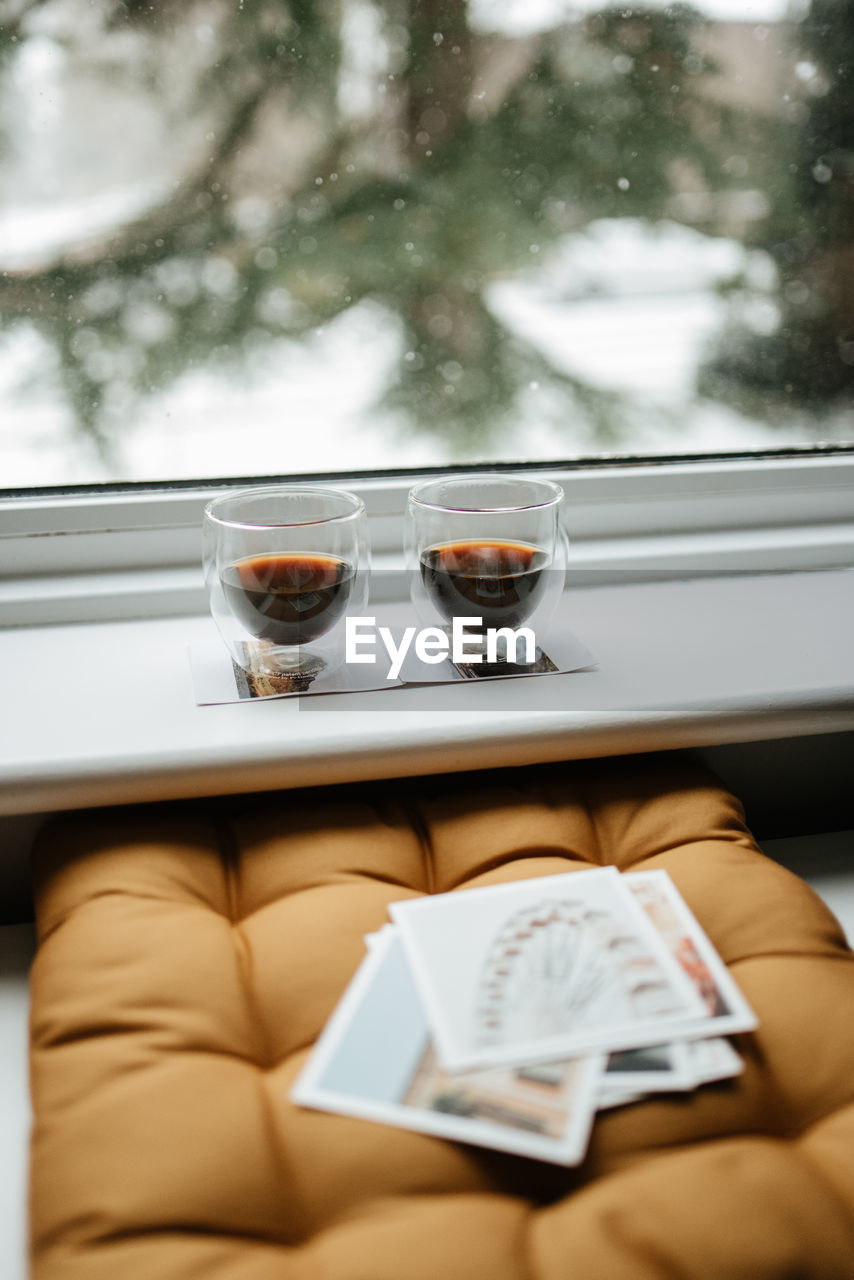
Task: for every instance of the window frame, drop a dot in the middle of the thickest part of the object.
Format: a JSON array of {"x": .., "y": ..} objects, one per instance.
[{"x": 111, "y": 552}]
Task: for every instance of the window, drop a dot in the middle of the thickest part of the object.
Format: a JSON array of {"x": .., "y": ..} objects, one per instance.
[{"x": 274, "y": 237}]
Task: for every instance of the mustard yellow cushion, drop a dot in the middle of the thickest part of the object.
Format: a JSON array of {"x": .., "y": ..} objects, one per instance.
[{"x": 190, "y": 955}]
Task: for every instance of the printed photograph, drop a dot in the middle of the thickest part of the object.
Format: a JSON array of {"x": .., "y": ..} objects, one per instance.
[
  {"x": 543, "y": 968},
  {"x": 376, "y": 1059},
  {"x": 257, "y": 682},
  {"x": 654, "y": 1068},
  {"x": 541, "y": 665},
  {"x": 667, "y": 910}
]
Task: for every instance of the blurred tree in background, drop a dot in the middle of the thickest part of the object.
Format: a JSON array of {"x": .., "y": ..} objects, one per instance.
[
  {"x": 808, "y": 360},
  {"x": 389, "y": 151}
]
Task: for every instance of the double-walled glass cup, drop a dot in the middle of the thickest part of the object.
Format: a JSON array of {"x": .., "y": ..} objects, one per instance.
[
  {"x": 284, "y": 564},
  {"x": 486, "y": 546}
]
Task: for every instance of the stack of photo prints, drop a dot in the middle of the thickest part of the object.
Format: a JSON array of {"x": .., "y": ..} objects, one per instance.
[{"x": 508, "y": 1016}]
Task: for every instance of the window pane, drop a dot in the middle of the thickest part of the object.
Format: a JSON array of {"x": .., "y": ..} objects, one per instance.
[{"x": 276, "y": 236}]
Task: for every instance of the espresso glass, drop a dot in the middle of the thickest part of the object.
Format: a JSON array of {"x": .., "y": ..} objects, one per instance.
[
  {"x": 284, "y": 564},
  {"x": 487, "y": 546}
]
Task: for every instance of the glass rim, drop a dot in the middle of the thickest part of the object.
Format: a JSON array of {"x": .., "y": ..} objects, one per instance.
[
  {"x": 270, "y": 491},
  {"x": 556, "y": 491}
]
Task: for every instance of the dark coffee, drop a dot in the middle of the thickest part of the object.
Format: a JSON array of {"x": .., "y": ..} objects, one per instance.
[
  {"x": 289, "y": 599},
  {"x": 500, "y": 582}
]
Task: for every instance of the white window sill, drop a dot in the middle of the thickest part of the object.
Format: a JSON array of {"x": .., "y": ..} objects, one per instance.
[{"x": 103, "y": 712}]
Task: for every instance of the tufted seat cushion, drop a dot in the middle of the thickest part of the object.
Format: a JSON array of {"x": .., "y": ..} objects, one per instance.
[{"x": 189, "y": 957}]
